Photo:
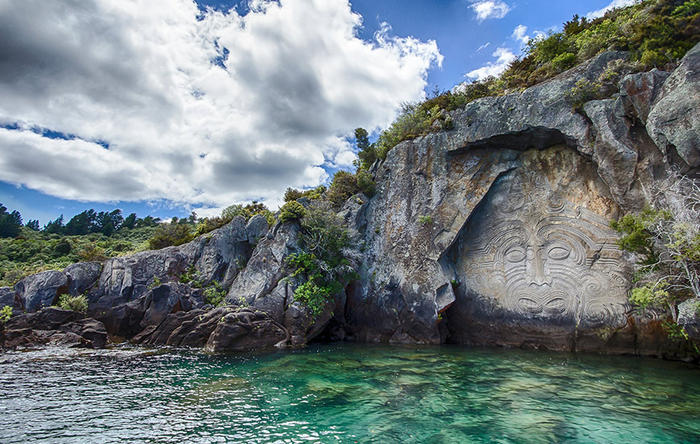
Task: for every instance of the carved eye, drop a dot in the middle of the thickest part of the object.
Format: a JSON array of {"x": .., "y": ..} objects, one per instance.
[
  {"x": 558, "y": 253},
  {"x": 515, "y": 255}
]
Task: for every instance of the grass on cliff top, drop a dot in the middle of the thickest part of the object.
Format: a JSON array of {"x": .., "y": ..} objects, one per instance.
[{"x": 657, "y": 33}]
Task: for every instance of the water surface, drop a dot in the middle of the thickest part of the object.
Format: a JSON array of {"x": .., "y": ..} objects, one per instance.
[{"x": 345, "y": 393}]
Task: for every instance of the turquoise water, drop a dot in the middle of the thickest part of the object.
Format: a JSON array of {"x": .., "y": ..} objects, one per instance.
[{"x": 345, "y": 393}]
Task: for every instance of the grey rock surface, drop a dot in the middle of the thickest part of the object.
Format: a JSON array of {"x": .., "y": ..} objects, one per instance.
[
  {"x": 245, "y": 330},
  {"x": 674, "y": 121},
  {"x": 41, "y": 290},
  {"x": 9, "y": 297},
  {"x": 53, "y": 326},
  {"x": 82, "y": 276}
]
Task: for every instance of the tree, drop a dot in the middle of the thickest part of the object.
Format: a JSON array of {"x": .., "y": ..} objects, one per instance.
[
  {"x": 129, "y": 221},
  {"x": 292, "y": 194},
  {"x": 343, "y": 186},
  {"x": 367, "y": 153},
  {"x": 10, "y": 223},
  {"x": 81, "y": 223},
  {"x": 32, "y": 224},
  {"x": 55, "y": 226},
  {"x": 666, "y": 236}
]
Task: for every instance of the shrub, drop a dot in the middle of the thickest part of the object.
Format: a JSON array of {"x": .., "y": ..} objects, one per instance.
[
  {"x": 343, "y": 186},
  {"x": 214, "y": 294},
  {"x": 425, "y": 220},
  {"x": 292, "y": 194},
  {"x": 5, "y": 314},
  {"x": 291, "y": 211},
  {"x": 170, "y": 234},
  {"x": 191, "y": 277},
  {"x": 365, "y": 183},
  {"x": 62, "y": 248},
  {"x": 156, "y": 282},
  {"x": 321, "y": 268},
  {"x": 73, "y": 303}
]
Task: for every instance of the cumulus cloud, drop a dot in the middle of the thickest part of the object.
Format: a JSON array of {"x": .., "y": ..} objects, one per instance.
[
  {"x": 200, "y": 108},
  {"x": 614, "y": 4},
  {"x": 504, "y": 57},
  {"x": 520, "y": 34},
  {"x": 486, "y": 9}
]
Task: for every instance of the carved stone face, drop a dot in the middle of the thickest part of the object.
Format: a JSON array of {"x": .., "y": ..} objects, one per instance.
[{"x": 534, "y": 254}]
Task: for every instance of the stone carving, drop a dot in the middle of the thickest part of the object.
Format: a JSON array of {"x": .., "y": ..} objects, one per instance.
[{"x": 528, "y": 252}]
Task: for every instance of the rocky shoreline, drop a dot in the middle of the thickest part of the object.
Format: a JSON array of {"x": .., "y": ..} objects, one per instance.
[{"x": 493, "y": 233}]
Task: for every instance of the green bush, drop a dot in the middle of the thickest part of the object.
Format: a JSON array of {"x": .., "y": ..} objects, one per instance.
[
  {"x": 192, "y": 278},
  {"x": 343, "y": 186},
  {"x": 214, "y": 294},
  {"x": 73, "y": 303},
  {"x": 292, "y": 194},
  {"x": 425, "y": 220},
  {"x": 321, "y": 268},
  {"x": 170, "y": 234},
  {"x": 291, "y": 211},
  {"x": 365, "y": 183},
  {"x": 5, "y": 314}
]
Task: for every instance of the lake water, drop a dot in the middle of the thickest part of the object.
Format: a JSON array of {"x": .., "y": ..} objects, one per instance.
[{"x": 345, "y": 393}]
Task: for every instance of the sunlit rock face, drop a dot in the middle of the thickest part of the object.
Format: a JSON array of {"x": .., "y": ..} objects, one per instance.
[{"x": 537, "y": 252}]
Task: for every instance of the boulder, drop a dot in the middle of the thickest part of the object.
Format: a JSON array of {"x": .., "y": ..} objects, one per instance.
[
  {"x": 638, "y": 92},
  {"x": 256, "y": 228},
  {"x": 53, "y": 326},
  {"x": 127, "y": 320},
  {"x": 82, "y": 276},
  {"x": 216, "y": 256},
  {"x": 245, "y": 330},
  {"x": 184, "y": 329},
  {"x": 41, "y": 290},
  {"x": 9, "y": 297}
]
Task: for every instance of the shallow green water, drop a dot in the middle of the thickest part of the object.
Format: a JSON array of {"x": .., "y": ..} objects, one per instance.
[{"x": 345, "y": 393}]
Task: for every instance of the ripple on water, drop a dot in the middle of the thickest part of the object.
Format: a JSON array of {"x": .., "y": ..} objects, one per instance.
[{"x": 345, "y": 393}]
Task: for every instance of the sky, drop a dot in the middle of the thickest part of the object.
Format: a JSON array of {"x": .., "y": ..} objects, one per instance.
[{"x": 164, "y": 107}]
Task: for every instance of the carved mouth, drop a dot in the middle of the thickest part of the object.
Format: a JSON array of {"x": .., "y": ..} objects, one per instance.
[{"x": 547, "y": 283}]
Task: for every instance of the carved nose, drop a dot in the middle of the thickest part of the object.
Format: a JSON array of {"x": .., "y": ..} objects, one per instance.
[{"x": 535, "y": 268}]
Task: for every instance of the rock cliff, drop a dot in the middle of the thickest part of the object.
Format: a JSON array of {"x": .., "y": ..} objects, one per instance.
[{"x": 495, "y": 232}]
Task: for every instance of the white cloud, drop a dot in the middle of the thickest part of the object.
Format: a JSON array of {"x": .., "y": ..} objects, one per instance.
[
  {"x": 520, "y": 34},
  {"x": 504, "y": 57},
  {"x": 614, "y": 4},
  {"x": 484, "y": 46},
  {"x": 486, "y": 9},
  {"x": 202, "y": 109}
]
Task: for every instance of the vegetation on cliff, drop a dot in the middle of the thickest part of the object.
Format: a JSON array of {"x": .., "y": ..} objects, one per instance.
[
  {"x": 657, "y": 33},
  {"x": 321, "y": 269},
  {"x": 666, "y": 239}
]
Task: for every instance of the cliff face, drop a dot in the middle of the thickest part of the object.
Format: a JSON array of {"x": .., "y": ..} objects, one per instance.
[
  {"x": 497, "y": 232},
  {"x": 493, "y": 233}
]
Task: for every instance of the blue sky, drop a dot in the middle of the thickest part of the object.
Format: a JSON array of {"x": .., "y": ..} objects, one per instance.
[{"x": 162, "y": 122}]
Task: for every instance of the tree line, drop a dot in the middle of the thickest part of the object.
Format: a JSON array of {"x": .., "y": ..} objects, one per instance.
[{"x": 86, "y": 222}]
